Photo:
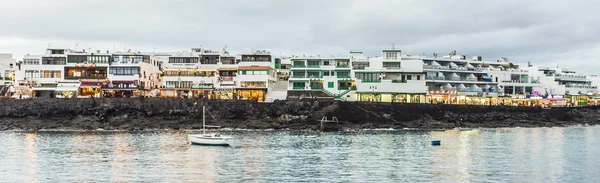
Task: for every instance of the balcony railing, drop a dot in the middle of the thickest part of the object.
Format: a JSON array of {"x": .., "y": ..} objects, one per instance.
[
  {"x": 371, "y": 81},
  {"x": 298, "y": 76},
  {"x": 347, "y": 88},
  {"x": 316, "y": 87},
  {"x": 393, "y": 68},
  {"x": 358, "y": 68},
  {"x": 313, "y": 66},
  {"x": 298, "y": 87},
  {"x": 342, "y": 66},
  {"x": 85, "y": 77},
  {"x": 439, "y": 67},
  {"x": 581, "y": 86},
  {"x": 314, "y": 76},
  {"x": 342, "y": 76},
  {"x": 435, "y": 77},
  {"x": 298, "y": 66}
]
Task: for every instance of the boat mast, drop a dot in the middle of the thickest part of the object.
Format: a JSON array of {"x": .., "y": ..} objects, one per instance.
[{"x": 203, "y": 121}]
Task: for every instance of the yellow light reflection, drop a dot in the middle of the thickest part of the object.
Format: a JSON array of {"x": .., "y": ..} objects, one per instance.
[
  {"x": 31, "y": 152},
  {"x": 120, "y": 164}
]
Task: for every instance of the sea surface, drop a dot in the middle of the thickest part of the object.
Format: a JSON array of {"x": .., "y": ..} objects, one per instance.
[{"x": 570, "y": 154}]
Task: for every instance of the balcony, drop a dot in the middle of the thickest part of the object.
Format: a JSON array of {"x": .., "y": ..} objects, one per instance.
[
  {"x": 358, "y": 68},
  {"x": 298, "y": 88},
  {"x": 316, "y": 87},
  {"x": 347, "y": 88},
  {"x": 314, "y": 76},
  {"x": 581, "y": 86},
  {"x": 392, "y": 68},
  {"x": 435, "y": 77},
  {"x": 439, "y": 67},
  {"x": 298, "y": 66},
  {"x": 342, "y": 76},
  {"x": 342, "y": 66}
]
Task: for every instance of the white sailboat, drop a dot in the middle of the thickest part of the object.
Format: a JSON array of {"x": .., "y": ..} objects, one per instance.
[{"x": 208, "y": 139}]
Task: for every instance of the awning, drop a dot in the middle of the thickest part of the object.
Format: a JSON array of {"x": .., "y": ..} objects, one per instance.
[
  {"x": 120, "y": 89},
  {"x": 66, "y": 89},
  {"x": 90, "y": 85},
  {"x": 228, "y": 69},
  {"x": 254, "y": 68},
  {"x": 43, "y": 88},
  {"x": 223, "y": 90},
  {"x": 92, "y": 80},
  {"x": 123, "y": 81}
]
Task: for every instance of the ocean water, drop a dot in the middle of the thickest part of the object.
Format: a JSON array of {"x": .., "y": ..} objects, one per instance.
[{"x": 570, "y": 154}]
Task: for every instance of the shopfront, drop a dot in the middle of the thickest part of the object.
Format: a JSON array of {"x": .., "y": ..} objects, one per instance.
[
  {"x": 224, "y": 93},
  {"x": 408, "y": 98},
  {"x": 121, "y": 88},
  {"x": 252, "y": 94},
  {"x": 90, "y": 89},
  {"x": 65, "y": 92},
  {"x": 439, "y": 97},
  {"x": 578, "y": 100},
  {"x": 372, "y": 97},
  {"x": 175, "y": 93},
  {"x": 203, "y": 91}
]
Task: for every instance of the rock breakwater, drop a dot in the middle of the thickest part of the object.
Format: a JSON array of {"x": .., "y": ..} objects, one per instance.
[{"x": 157, "y": 113}]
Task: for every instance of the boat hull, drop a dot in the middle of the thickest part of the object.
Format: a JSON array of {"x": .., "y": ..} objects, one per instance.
[{"x": 210, "y": 141}]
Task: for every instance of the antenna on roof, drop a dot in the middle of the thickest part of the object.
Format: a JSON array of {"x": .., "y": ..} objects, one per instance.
[{"x": 393, "y": 46}]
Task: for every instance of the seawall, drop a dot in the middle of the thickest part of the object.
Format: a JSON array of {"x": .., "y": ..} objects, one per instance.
[{"x": 157, "y": 113}]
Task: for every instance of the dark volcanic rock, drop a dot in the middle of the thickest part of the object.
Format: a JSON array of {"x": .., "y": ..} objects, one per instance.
[{"x": 156, "y": 113}]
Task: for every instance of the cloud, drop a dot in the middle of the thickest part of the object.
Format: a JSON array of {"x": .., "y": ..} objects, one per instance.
[{"x": 522, "y": 30}]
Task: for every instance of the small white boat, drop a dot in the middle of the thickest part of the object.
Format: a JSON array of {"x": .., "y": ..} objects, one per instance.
[{"x": 208, "y": 139}]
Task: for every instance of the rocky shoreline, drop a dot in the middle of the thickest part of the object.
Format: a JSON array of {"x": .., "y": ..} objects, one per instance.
[{"x": 180, "y": 114}]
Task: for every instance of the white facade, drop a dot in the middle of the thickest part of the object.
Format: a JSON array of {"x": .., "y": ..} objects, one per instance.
[{"x": 8, "y": 68}]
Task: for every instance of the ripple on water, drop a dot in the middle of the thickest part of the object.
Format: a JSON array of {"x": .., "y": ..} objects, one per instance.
[{"x": 478, "y": 155}]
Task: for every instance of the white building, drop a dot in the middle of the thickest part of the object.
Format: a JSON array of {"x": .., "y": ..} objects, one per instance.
[
  {"x": 69, "y": 73},
  {"x": 218, "y": 74}
]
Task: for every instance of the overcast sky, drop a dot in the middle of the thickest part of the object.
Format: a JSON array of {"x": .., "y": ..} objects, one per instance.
[{"x": 547, "y": 32}]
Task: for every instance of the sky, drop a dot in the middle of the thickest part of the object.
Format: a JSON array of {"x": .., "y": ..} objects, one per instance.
[{"x": 546, "y": 33}]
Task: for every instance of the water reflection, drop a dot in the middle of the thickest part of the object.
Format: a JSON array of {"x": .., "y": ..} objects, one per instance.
[
  {"x": 31, "y": 154},
  {"x": 479, "y": 155}
]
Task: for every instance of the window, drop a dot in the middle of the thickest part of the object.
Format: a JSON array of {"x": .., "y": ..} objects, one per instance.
[
  {"x": 32, "y": 74},
  {"x": 418, "y": 77},
  {"x": 172, "y": 84},
  {"x": 77, "y": 58},
  {"x": 54, "y": 60},
  {"x": 124, "y": 70},
  {"x": 50, "y": 74},
  {"x": 186, "y": 84},
  {"x": 183, "y": 60},
  {"x": 368, "y": 76},
  {"x": 408, "y": 77},
  {"x": 330, "y": 85},
  {"x": 116, "y": 58},
  {"x": 11, "y": 66},
  {"x": 325, "y": 73},
  {"x": 325, "y": 62},
  {"x": 253, "y": 84},
  {"x": 31, "y": 61},
  {"x": 256, "y": 58},
  {"x": 391, "y": 55},
  {"x": 98, "y": 59}
]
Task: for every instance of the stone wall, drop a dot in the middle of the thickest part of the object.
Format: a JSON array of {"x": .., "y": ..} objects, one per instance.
[{"x": 156, "y": 113}]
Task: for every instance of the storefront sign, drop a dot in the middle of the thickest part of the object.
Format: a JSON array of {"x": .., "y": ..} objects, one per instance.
[
  {"x": 223, "y": 90},
  {"x": 85, "y": 65},
  {"x": 227, "y": 78}
]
